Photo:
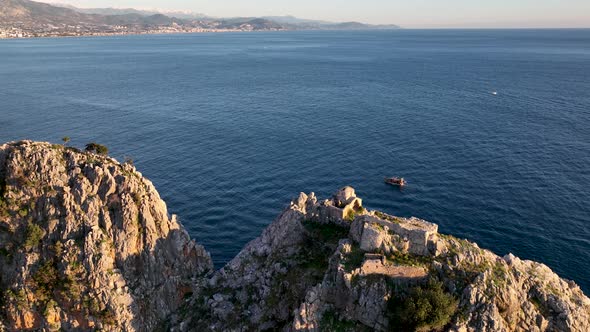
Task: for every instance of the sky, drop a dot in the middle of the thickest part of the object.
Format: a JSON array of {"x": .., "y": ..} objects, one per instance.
[{"x": 407, "y": 13}]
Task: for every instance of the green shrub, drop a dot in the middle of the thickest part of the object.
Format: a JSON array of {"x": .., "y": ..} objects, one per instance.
[
  {"x": 331, "y": 322},
  {"x": 108, "y": 317},
  {"x": 354, "y": 259},
  {"x": 97, "y": 148},
  {"x": 33, "y": 236},
  {"x": 46, "y": 278},
  {"x": 23, "y": 212},
  {"x": 424, "y": 308},
  {"x": 327, "y": 233},
  {"x": 407, "y": 259}
]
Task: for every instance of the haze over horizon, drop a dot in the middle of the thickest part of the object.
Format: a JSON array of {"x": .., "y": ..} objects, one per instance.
[{"x": 417, "y": 14}]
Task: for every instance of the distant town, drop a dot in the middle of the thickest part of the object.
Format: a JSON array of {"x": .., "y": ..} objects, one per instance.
[
  {"x": 65, "y": 30},
  {"x": 30, "y": 19}
]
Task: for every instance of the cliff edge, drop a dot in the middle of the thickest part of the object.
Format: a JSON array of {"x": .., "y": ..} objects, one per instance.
[
  {"x": 333, "y": 265},
  {"x": 86, "y": 243}
]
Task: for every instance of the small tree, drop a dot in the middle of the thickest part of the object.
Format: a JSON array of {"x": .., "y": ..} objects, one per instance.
[
  {"x": 33, "y": 236},
  {"x": 97, "y": 148},
  {"x": 66, "y": 139},
  {"x": 425, "y": 308}
]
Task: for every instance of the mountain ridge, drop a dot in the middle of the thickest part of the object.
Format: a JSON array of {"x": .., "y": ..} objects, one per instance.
[{"x": 25, "y": 18}]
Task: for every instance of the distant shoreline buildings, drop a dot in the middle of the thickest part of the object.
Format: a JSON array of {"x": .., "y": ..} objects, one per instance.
[
  {"x": 13, "y": 32},
  {"x": 29, "y": 19}
]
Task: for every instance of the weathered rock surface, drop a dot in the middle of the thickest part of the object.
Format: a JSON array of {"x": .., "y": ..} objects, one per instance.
[
  {"x": 320, "y": 267},
  {"x": 87, "y": 244}
]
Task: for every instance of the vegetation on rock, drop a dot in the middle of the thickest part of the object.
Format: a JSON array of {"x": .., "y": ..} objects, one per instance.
[
  {"x": 97, "y": 148},
  {"x": 423, "y": 308},
  {"x": 33, "y": 235}
]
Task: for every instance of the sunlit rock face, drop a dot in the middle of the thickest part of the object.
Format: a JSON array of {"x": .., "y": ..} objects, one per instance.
[{"x": 87, "y": 243}]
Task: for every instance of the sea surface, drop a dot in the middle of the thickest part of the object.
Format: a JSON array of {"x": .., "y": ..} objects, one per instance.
[{"x": 231, "y": 126}]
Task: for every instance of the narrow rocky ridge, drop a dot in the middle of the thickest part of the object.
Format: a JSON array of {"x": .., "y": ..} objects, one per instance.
[{"x": 86, "y": 243}]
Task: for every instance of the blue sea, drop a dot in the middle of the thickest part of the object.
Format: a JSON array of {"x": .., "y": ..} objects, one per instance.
[{"x": 231, "y": 126}]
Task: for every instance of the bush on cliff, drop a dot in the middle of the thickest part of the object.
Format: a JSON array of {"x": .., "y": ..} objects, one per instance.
[
  {"x": 33, "y": 236},
  {"x": 46, "y": 279},
  {"x": 423, "y": 308},
  {"x": 97, "y": 148}
]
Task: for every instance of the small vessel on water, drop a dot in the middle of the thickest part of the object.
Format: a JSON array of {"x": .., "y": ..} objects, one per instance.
[{"x": 395, "y": 181}]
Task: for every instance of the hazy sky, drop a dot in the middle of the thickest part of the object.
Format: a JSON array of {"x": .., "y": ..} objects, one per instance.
[{"x": 408, "y": 13}]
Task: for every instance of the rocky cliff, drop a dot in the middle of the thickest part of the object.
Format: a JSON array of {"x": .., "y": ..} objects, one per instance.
[
  {"x": 335, "y": 266},
  {"x": 87, "y": 244}
]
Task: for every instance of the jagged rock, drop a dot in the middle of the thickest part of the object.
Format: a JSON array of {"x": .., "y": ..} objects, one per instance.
[
  {"x": 377, "y": 258},
  {"x": 87, "y": 243}
]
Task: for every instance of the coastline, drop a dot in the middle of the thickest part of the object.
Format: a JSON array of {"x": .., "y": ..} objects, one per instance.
[{"x": 138, "y": 33}]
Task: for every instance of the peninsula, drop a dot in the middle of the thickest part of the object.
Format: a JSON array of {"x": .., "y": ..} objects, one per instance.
[{"x": 86, "y": 243}]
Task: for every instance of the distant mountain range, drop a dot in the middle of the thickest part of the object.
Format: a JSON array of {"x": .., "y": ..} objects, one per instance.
[
  {"x": 24, "y": 18},
  {"x": 286, "y": 21},
  {"x": 142, "y": 12}
]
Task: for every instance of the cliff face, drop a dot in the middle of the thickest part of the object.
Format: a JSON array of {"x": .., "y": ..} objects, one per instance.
[
  {"x": 335, "y": 266},
  {"x": 87, "y": 244}
]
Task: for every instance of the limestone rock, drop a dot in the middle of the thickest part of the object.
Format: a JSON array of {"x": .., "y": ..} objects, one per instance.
[
  {"x": 349, "y": 284},
  {"x": 87, "y": 243}
]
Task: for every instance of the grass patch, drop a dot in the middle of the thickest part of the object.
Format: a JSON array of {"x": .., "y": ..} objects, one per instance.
[
  {"x": 387, "y": 217},
  {"x": 499, "y": 275},
  {"x": 406, "y": 259},
  {"x": 353, "y": 213}
]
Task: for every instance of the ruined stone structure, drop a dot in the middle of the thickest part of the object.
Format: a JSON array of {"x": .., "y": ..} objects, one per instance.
[
  {"x": 341, "y": 208},
  {"x": 390, "y": 234},
  {"x": 378, "y": 265}
]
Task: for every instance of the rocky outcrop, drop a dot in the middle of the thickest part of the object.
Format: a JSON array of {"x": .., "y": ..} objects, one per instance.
[
  {"x": 319, "y": 268},
  {"x": 86, "y": 243}
]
